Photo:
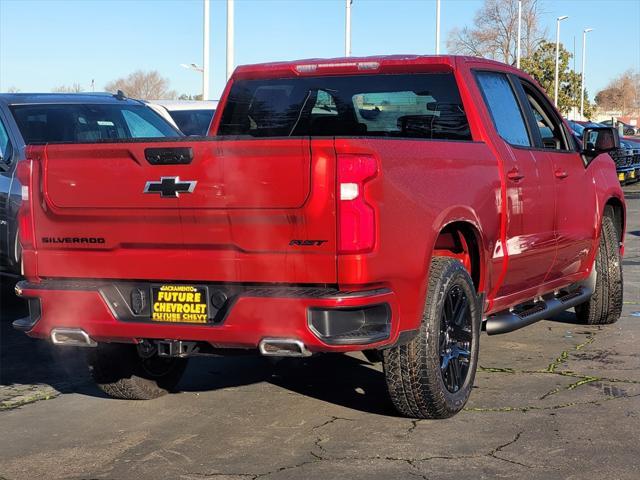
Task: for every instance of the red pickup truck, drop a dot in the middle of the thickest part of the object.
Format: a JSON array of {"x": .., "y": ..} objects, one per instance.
[{"x": 396, "y": 205}]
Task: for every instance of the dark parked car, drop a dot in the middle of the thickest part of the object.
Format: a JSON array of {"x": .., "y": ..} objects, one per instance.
[
  {"x": 35, "y": 118},
  {"x": 627, "y": 160},
  {"x": 633, "y": 148},
  {"x": 627, "y": 129}
]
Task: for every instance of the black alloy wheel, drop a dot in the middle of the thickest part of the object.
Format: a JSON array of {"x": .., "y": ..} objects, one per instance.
[{"x": 455, "y": 339}]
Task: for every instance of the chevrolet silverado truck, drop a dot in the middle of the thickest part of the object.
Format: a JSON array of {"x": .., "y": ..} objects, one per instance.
[{"x": 394, "y": 205}]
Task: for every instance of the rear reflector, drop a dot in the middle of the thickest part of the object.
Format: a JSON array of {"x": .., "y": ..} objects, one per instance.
[
  {"x": 356, "y": 217},
  {"x": 349, "y": 191}
]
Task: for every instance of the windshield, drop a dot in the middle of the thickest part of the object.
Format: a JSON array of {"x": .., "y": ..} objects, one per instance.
[
  {"x": 576, "y": 127},
  {"x": 410, "y": 106},
  {"x": 80, "y": 123},
  {"x": 193, "y": 122}
]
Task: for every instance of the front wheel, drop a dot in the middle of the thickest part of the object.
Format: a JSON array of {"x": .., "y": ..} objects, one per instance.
[
  {"x": 605, "y": 305},
  {"x": 127, "y": 372},
  {"x": 432, "y": 376}
]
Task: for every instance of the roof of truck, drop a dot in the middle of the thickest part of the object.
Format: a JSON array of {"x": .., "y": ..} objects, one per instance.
[
  {"x": 387, "y": 63},
  {"x": 63, "y": 98}
]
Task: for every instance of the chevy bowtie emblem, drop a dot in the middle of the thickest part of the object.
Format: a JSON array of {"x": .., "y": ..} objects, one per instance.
[{"x": 170, "y": 187}]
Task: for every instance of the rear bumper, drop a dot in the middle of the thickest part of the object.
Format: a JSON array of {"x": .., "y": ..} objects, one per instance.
[{"x": 313, "y": 315}]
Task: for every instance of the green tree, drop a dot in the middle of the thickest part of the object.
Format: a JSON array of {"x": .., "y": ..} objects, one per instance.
[{"x": 541, "y": 65}]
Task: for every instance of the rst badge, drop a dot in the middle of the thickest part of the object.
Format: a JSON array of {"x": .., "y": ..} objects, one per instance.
[{"x": 170, "y": 186}]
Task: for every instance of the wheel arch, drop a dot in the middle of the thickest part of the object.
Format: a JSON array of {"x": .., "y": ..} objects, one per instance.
[{"x": 462, "y": 240}]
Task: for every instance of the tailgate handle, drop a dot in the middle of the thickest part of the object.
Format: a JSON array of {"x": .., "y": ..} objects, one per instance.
[{"x": 169, "y": 155}]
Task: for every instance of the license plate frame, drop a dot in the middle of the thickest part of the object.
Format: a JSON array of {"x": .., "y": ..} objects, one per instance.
[{"x": 178, "y": 303}]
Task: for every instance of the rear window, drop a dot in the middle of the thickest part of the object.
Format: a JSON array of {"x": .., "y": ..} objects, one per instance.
[
  {"x": 192, "y": 122},
  {"x": 78, "y": 123},
  {"x": 410, "y": 106}
]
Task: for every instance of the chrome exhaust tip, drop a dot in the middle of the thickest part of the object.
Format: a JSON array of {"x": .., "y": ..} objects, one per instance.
[
  {"x": 283, "y": 347},
  {"x": 73, "y": 337}
]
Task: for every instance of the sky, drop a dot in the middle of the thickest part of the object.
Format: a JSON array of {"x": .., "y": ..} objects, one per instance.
[{"x": 48, "y": 43}]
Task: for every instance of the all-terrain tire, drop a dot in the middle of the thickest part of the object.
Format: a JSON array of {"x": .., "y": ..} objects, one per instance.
[
  {"x": 120, "y": 372},
  {"x": 605, "y": 305},
  {"x": 413, "y": 372}
]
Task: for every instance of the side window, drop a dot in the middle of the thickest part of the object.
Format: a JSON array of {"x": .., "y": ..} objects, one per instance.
[
  {"x": 5, "y": 146},
  {"x": 503, "y": 106},
  {"x": 547, "y": 123}
]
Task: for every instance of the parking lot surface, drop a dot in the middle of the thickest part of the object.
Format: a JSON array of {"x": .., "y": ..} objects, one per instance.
[{"x": 554, "y": 400}]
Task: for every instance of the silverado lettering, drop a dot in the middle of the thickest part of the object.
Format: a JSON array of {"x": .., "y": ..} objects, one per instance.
[
  {"x": 74, "y": 240},
  {"x": 446, "y": 192}
]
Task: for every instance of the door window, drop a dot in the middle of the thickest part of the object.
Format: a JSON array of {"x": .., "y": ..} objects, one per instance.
[
  {"x": 503, "y": 106},
  {"x": 546, "y": 121}
]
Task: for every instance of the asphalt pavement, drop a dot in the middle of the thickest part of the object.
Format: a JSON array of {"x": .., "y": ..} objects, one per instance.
[{"x": 554, "y": 400}]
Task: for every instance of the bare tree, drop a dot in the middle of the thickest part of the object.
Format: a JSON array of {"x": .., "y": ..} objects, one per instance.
[
  {"x": 494, "y": 33},
  {"x": 144, "y": 85},
  {"x": 621, "y": 94},
  {"x": 13, "y": 89},
  {"x": 75, "y": 88}
]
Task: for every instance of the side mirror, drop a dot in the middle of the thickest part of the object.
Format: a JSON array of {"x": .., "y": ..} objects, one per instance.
[{"x": 597, "y": 140}]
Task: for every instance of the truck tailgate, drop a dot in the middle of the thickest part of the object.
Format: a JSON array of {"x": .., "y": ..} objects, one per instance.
[{"x": 118, "y": 210}]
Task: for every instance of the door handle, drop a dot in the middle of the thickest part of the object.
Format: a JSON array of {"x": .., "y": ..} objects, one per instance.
[
  {"x": 514, "y": 175},
  {"x": 561, "y": 174}
]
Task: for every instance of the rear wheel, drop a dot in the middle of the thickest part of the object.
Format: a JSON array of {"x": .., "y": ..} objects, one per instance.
[
  {"x": 128, "y": 372},
  {"x": 432, "y": 376},
  {"x": 605, "y": 305}
]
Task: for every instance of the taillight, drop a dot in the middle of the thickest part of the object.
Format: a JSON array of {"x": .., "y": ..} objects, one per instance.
[
  {"x": 25, "y": 225},
  {"x": 356, "y": 217}
]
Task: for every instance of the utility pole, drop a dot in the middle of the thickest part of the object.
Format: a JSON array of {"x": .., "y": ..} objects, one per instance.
[
  {"x": 230, "y": 38},
  {"x": 584, "y": 57},
  {"x": 437, "y": 27},
  {"x": 205, "y": 53},
  {"x": 347, "y": 29},
  {"x": 555, "y": 92},
  {"x": 519, "y": 33}
]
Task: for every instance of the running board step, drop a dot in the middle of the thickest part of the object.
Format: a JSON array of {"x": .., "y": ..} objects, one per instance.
[{"x": 545, "y": 307}]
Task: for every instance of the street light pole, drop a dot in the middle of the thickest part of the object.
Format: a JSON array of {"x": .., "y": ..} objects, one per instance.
[
  {"x": 230, "y": 38},
  {"x": 437, "y": 27},
  {"x": 347, "y": 29},
  {"x": 519, "y": 32},
  {"x": 205, "y": 52},
  {"x": 555, "y": 93},
  {"x": 584, "y": 56}
]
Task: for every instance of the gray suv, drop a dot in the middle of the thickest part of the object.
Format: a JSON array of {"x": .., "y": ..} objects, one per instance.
[{"x": 37, "y": 118}]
